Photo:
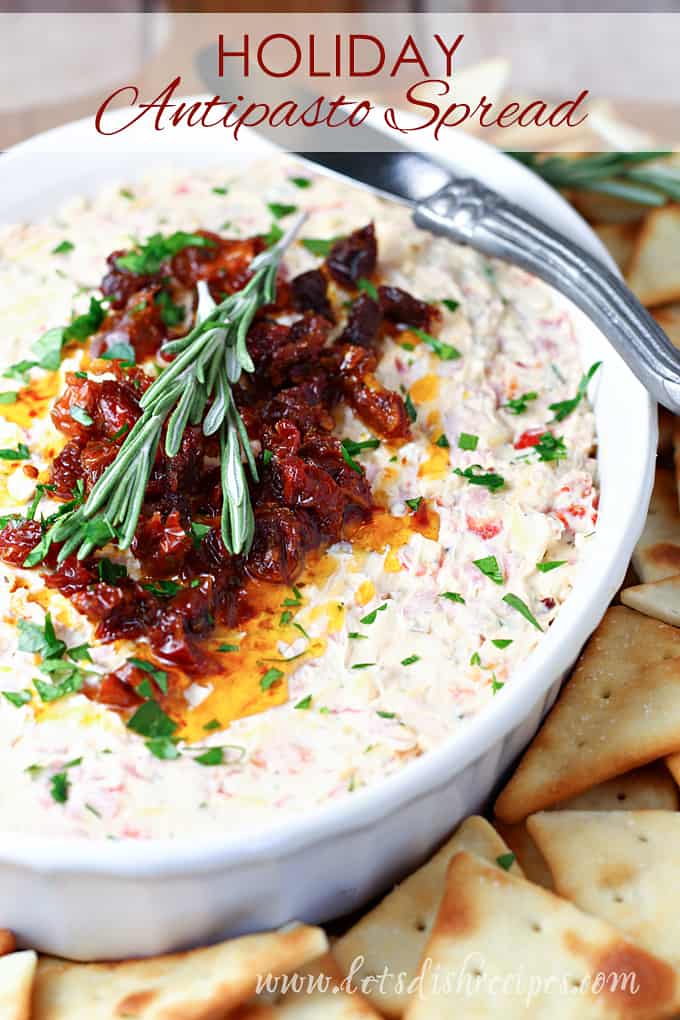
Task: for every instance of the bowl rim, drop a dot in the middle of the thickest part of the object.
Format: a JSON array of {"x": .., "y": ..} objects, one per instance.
[{"x": 159, "y": 858}]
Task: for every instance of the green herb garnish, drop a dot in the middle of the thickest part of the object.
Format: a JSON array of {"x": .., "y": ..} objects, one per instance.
[
  {"x": 147, "y": 258},
  {"x": 490, "y": 568},
  {"x": 564, "y": 408},
  {"x": 368, "y": 288},
  {"x": 159, "y": 676},
  {"x": 515, "y": 602},
  {"x": 271, "y": 677},
  {"x": 550, "y": 565},
  {"x": 17, "y": 698},
  {"x": 550, "y": 447},
  {"x": 505, "y": 861},
  {"x": 414, "y": 504},
  {"x": 63, "y": 248},
  {"x": 280, "y": 211},
  {"x": 305, "y": 703},
  {"x": 443, "y": 351},
  {"x": 452, "y": 596},
  {"x": 371, "y": 617},
  {"x": 489, "y": 479},
  {"x": 518, "y": 405},
  {"x": 21, "y": 453},
  {"x": 467, "y": 441}
]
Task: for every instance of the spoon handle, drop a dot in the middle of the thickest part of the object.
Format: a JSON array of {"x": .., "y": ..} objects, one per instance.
[{"x": 467, "y": 212}]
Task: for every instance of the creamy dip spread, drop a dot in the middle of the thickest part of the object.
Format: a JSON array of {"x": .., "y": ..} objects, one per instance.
[{"x": 387, "y": 642}]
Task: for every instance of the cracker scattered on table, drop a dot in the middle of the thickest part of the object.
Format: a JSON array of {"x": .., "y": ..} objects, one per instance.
[
  {"x": 619, "y": 240},
  {"x": 660, "y": 599},
  {"x": 599, "y": 208},
  {"x": 619, "y": 710},
  {"x": 512, "y": 949},
  {"x": 17, "y": 971},
  {"x": 202, "y": 984},
  {"x": 654, "y": 271},
  {"x": 620, "y": 866},
  {"x": 668, "y": 317},
  {"x": 657, "y": 553},
  {"x": 393, "y": 935}
]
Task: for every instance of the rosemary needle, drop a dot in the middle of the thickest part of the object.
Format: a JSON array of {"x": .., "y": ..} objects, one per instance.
[
  {"x": 195, "y": 388},
  {"x": 623, "y": 174}
]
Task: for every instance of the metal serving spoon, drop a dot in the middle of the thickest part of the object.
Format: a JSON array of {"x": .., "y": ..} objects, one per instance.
[{"x": 464, "y": 210}]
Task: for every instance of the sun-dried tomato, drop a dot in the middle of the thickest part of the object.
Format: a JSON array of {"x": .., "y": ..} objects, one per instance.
[
  {"x": 402, "y": 308},
  {"x": 282, "y": 538},
  {"x": 353, "y": 257},
  {"x": 309, "y": 293},
  {"x": 363, "y": 323},
  {"x": 17, "y": 539}
]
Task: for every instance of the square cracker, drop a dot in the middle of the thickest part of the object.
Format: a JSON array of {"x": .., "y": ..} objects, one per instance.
[
  {"x": 502, "y": 947},
  {"x": 657, "y": 553},
  {"x": 654, "y": 271},
  {"x": 393, "y": 935},
  {"x": 203, "y": 984},
  {"x": 645, "y": 789},
  {"x": 620, "y": 866},
  {"x": 619, "y": 710}
]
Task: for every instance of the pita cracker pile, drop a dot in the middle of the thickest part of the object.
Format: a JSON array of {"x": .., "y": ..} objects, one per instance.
[
  {"x": 503, "y": 947},
  {"x": 657, "y": 554},
  {"x": 620, "y": 709},
  {"x": 394, "y": 934}
]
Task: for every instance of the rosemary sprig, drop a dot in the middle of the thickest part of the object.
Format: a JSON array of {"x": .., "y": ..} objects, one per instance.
[
  {"x": 622, "y": 174},
  {"x": 194, "y": 388}
]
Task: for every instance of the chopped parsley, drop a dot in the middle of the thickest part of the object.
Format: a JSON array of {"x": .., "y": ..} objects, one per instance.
[
  {"x": 550, "y": 447},
  {"x": 273, "y": 235},
  {"x": 515, "y": 602},
  {"x": 410, "y": 659},
  {"x": 442, "y": 442},
  {"x": 126, "y": 193},
  {"x": 21, "y": 453},
  {"x": 109, "y": 571},
  {"x": 199, "y": 532},
  {"x": 300, "y": 182},
  {"x": 467, "y": 441},
  {"x": 549, "y": 565},
  {"x": 443, "y": 351},
  {"x": 151, "y": 721},
  {"x": 63, "y": 248},
  {"x": 414, "y": 504},
  {"x": 59, "y": 787},
  {"x": 271, "y": 677},
  {"x": 8, "y": 397},
  {"x": 518, "y": 405},
  {"x": 450, "y": 304},
  {"x": 120, "y": 351},
  {"x": 364, "y": 665},
  {"x": 564, "y": 408},
  {"x": 410, "y": 408},
  {"x": 387, "y": 715},
  {"x": 305, "y": 703},
  {"x": 354, "y": 447},
  {"x": 296, "y": 600},
  {"x": 163, "y": 589},
  {"x": 279, "y": 211},
  {"x": 356, "y": 636},
  {"x": 368, "y": 288},
  {"x": 41, "y": 640},
  {"x": 71, "y": 682},
  {"x": 227, "y": 648},
  {"x": 219, "y": 191},
  {"x": 496, "y": 685},
  {"x": 501, "y": 642},
  {"x": 164, "y": 748},
  {"x": 490, "y": 568},
  {"x": 506, "y": 861},
  {"x": 213, "y": 756},
  {"x": 147, "y": 258},
  {"x": 159, "y": 676},
  {"x": 489, "y": 479},
  {"x": 475, "y": 659},
  {"x": 318, "y": 246},
  {"x": 214, "y": 724},
  {"x": 80, "y": 415},
  {"x": 171, "y": 314},
  {"x": 371, "y": 617},
  {"x": 17, "y": 698},
  {"x": 452, "y": 596}
]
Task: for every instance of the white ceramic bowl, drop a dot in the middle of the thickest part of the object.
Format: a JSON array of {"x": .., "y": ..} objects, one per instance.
[{"x": 92, "y": 900}]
